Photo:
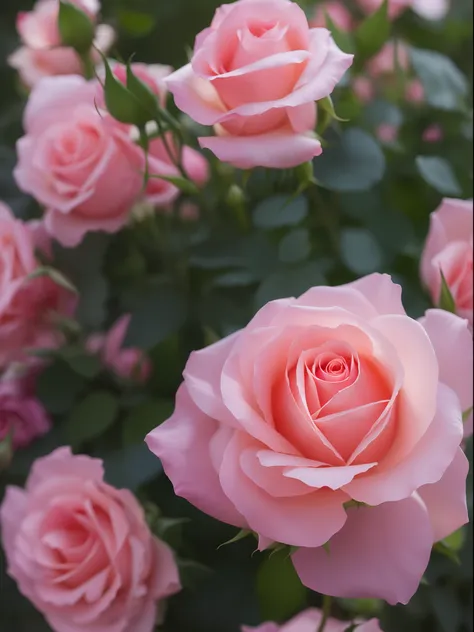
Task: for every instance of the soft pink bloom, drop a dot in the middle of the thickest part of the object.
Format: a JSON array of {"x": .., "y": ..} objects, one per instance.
[
  {"x": 448, "y": 249},
  {"x": 387, "y": 133},
  {"x": 386, "y": 60},
  {"x": 27, "y": 306},
  {"x": 81, "y": 551},
  {"x": 414, "y": 92},
  {"x": 428, "y": 9},
  {"x": 309, "y": 620},
  {"x": 21, "y": 414},
  {"x": 131, "y": 363},
  {"x": 433, "y": 134},
  {"x": 334, "y": 397},
  {"x": 337, "y": 12},
  {"x": 363, "y": 88},
  {"x": 41, "y": 54},
  {"x": 81, "y": 165},
  {"x": 255, "y": 75}
]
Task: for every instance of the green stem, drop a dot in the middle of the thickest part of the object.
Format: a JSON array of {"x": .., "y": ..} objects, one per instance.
[{"x": 327, "y": 603}]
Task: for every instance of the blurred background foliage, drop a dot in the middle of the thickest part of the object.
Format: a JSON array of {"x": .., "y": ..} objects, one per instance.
[{"x": 370, "y": 214}]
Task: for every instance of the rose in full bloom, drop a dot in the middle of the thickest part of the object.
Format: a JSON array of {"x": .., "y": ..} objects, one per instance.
[
  {"x": 22, "y": 416},
  {"x": 309, "y": 621},
  {"x": 27, "y": 305},
  {"x": 255, "y": 75},
  {"x": 81, "y": 551},
  {"x": 428, "y": 9},
  {"x": 41, "y": 54},
  {"x": 81, "y": 165},
  {"x": 324, "y": 421},
  {"x": 449, "y": 249},
  {"x": 337, "y": 12},
  {"x": 129, "y": 363}
]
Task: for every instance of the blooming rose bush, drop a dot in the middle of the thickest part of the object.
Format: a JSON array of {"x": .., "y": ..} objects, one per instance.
[
  {"x": 41, "y": 54},
  {"x": 321, "y": 402},
  {"x": 448, "y": 250},
  {"x": 324, "y": 439},
  {"x": 255, "y": 75},
  {"x": 81, "y": 551}
]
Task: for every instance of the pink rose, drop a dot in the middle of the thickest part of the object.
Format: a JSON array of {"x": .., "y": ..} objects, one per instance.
[
  {"x": 337, "y": 12},
  {"x": 255, "y": 75},
  {"x": 81, "y": 165},
  {"x": 309, "y": 621},
  {"x": 385, "y": 61},
  {"x": 320, "y": 401},
  {"x": 21, "y": 414},
  {"x": 81, "y": 550},
  {"x": 27, "y": 306},
  {"x": 448, "y": 249},
  {"x": 387, "y": 133},
  {"x": 428, "y": 9},
  {"x": 129, "y": 363},
  {"x": 41, "y": 54},
  {"x": 414, "y": 92},
  {"x": 363, "y": 88}
]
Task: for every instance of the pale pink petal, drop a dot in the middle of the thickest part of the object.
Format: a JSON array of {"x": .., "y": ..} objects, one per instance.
[
  {"x": 380, "y": 553},
  {"x": 446, "y": 499},
  {"x": 274, "y": 151},
  {"x": 182, "y": 444},
  {"x": 70, "y": 229},
  {"x": 382, "y": 293}
]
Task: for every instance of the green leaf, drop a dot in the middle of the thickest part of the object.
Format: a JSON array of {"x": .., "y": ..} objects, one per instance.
[
  {"x": 81, "y": 362},
  {"x": 75, "y": 28},
  {"x": 121, "y": 103},
  {"x": 156, "y": 314},
  {"x": 295, "y": 246},
  {"x": 91, "y": 417},
  {"x": 131, "y": 467},
  {"x": 342, "y": 39},
  {"x": 445, "y": 86},
  {"x": 144, "y": 418},
  {"x": 279, "y": 590},
  {"x": 236, "y": 278},
  {"x": 136, "y": 23},
  {"x": 455, "y": 541},
  {"x": 446, "y": 300},
  {"x": 327, "y": 105},
  {"x": 352, "y": 162},
  {"x": 445, "y": 550},
  {"x": 243, "y": 533},
  {"x": 290, "y": 282},
  {"x": 55, "y": 276},
  {"x": 438, "y": 173},
  {"x": 186, "y": 186},
  {"x": 58, "y": 387},
  {"x": 372, "y": 34},
  {"x": 280, "y": 210},
  {"x": 142, "y": 93},
  {"x": 360, "y": 251}
]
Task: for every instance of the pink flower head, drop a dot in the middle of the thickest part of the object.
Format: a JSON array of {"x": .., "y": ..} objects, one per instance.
[
  {"x": 81, "y": 551},
  {"x": 415, "y": 93},
  {"x": 81, "y": 165},
  {"x": 428, "y": 9},
  {"x": 309, "y": 621},
  {"x": 127, "y": 363},
  {"x": 386, "y": 60},
  {"x": 363, "y": 88},
  {"x": 337, "y": 12},
  {"x": 448, "y": 249},
  {"x": 27, "y": 305},
  {"x": 255, "y": 75},
  {"x": 322, "y": 403},
  {"x": 21, "y": 414},
  {"x": 433, "y": 134},
  {"x": 387, "y": 133},
  {"x": 41, "y": 54}
]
